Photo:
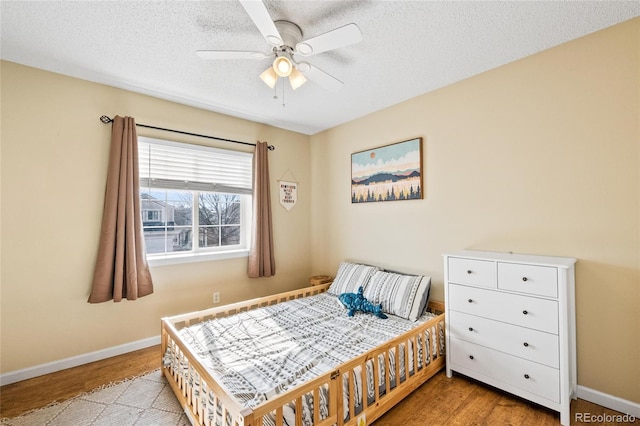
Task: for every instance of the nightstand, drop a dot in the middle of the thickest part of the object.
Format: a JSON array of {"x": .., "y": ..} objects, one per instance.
[{"x": 320, "y": 279}]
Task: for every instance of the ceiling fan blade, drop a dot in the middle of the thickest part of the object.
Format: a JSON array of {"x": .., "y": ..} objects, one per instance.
[
  {"x": 260, "y": 16},
  {"x": 321, "y": 78},
  {"x": 231, "y": 54},
  {"x": 340, "y": 37}
]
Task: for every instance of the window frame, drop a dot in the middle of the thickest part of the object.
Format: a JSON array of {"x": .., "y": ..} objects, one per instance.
[{"x": 197, "y": 253}]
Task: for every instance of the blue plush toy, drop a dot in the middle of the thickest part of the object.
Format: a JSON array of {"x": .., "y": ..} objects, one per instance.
[{"x": 357, "y": 302}]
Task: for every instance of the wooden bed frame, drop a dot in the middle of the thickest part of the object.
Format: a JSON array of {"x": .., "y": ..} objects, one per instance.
[{"x": 198, "y": 407}]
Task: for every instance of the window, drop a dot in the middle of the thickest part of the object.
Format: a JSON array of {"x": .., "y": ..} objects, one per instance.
[
  {"x": 151, "y": 215},
  {"x": 195, "y": 201}
]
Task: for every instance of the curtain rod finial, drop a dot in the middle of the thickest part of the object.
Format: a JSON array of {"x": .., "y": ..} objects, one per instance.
[{"x": 105, "y": 119}]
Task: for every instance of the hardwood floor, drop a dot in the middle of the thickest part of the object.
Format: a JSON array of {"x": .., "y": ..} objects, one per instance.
[
  {"x": 440, "y": 401},
  {"x": 464, "y": 401},
  {"x": 18, "y": 398}
]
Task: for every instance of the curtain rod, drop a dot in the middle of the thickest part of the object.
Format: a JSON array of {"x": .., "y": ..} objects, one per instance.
[{"x": 105, "y": 119}]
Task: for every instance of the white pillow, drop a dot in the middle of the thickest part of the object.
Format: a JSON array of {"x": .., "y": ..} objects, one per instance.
[
  {"x": 350, "y": 276},
  {"x": 401, "y": 295}
]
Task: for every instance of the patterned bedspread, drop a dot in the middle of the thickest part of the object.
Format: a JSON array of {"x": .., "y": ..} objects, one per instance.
[{"x": 264, "y": 352}]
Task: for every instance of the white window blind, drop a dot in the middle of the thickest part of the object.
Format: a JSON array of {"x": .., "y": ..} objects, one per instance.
[{"x": 174, "y": 165}]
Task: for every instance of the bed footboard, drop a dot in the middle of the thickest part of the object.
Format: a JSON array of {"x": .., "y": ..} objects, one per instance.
[
  {"x": 397, "y": 368},
  {"x": 362, "y": 389}
]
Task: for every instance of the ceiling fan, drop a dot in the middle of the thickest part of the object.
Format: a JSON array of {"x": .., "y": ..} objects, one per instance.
[{"x": 286, "y": 40}]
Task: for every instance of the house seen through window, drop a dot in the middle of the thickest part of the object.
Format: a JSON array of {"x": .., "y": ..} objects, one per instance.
[{"x": 195, "y": 201}]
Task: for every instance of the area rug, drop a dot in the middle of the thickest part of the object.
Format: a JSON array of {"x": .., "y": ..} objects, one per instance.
[{"x": 145, "y": 400}]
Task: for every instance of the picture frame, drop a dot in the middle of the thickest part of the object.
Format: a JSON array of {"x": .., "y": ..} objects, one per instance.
[{"x": 388, "y": 173}]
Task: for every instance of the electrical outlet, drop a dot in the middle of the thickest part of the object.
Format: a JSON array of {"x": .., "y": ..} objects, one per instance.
[{"x": 216, "y": 297}]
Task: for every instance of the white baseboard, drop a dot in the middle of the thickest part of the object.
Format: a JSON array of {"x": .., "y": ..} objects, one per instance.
[
  {"x": 63, "y": 364},
  {"x": 613, "y": 402}
]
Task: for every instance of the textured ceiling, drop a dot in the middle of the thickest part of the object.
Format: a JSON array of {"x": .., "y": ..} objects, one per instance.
[{"x": 408, "y": 48}]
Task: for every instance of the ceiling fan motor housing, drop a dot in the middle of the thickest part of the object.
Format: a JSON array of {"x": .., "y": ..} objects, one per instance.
[{"x": 291, "y": 33}]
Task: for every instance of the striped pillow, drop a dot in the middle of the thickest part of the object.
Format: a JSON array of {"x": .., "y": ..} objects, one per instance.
[
  {"x": 350, "y": 276},
  {"x": 401, "y": 295}
]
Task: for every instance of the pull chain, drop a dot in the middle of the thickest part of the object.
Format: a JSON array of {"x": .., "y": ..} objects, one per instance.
[{"x": 275, "y": 91}]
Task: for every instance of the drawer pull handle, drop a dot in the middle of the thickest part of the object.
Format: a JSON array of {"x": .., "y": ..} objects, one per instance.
[
  {"x": 470, "y": 300},
  {"x": 470, "y": 328},
  {"x": 470, "y": 356},
  {"x": 526, "y": 376},
  {"x": 525, "y": 312},
  {"x": 524, "y": 278},
  {"x": 526, "y": 345},
  {"x": 469, "y": 271}
]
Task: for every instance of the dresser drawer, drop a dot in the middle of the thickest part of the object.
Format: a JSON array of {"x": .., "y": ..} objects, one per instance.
[
  {"x": 530, "y": 279},
  {"x": 525, "y": 311},
  {"x": 480, "y": 273},
  {"x": 526, "y": 375},
  {"x": 523, "y": 342}
]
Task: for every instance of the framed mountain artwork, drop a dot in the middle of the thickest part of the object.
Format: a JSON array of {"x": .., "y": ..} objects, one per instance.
[{"x": 388, "y": 173}]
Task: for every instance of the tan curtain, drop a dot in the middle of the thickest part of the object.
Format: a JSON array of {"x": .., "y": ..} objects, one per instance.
[
  {"x": 262, "y": 261},
  {"x": 121, "y": 268}
]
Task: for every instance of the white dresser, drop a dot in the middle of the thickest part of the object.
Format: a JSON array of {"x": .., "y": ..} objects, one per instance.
[{"x": 510, "y": 322}]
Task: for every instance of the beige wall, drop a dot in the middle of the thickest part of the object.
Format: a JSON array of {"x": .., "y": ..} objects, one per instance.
[
  {"x": 539, "y": 156},
  {"x": 54, "y": 161}
]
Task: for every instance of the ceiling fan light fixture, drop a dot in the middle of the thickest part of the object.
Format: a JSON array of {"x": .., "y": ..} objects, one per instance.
[
  {"x": 282, "y": 66},
  {"x": 269, "y": 77},
  {"x": 296, "y": 79}
]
